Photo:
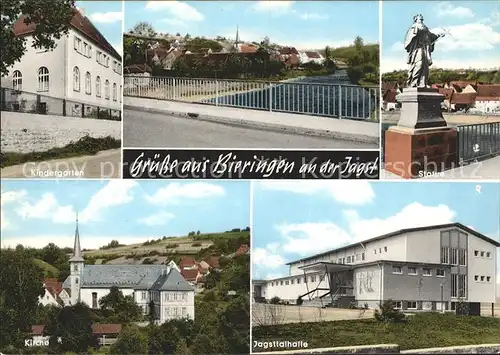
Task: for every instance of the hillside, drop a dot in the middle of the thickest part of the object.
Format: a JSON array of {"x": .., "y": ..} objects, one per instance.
[
  {"x": 161, "y": 250},
  {"x": 48, "y": 270}
]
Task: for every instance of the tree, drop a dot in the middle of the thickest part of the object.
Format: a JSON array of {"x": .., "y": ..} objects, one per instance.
[
  {"x": 388, "y": 313},
  {"x": 71, "y": 329},
  {"x": 120, "y": 308},
  {"x": 50, "y": 17},
  {"x": 130, "y": 341},
  {"x": 144, "y": 29},
  {"x": 20, "y": 286}
]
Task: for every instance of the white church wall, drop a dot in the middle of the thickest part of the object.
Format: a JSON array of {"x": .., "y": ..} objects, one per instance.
[{"x": 86, "y": 294}]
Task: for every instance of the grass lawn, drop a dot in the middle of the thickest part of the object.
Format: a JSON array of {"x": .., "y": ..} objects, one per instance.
[
  {"x": 85, "y": 146},
  {"x": 425, "y": 330}
]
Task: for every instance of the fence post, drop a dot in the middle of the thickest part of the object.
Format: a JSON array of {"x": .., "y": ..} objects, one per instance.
[
  {"x": 64, "y": 107},
  {"x": 216, "y": 93},
  {"x": 271, "y": 97},
  {"x": 340, "y": 101},
  {"x": 174, "y": 84}
]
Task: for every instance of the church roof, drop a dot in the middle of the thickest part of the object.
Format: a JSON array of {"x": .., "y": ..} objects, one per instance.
[{"x": 138, "y": 277}]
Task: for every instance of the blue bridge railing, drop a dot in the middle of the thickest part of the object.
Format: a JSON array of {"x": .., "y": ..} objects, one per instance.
[{"x": 319, "y": 99}]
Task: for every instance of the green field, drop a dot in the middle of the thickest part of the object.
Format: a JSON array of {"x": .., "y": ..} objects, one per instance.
[
  {"x": 48, "y": 270},
  {"x": 425, "y": 330}
]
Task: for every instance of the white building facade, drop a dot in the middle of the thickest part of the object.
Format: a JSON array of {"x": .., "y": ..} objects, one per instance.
[
  {"x": 428, "y": 268},
  {"x": 83, "y": 68},
  {"x": 158, "y": 286}
]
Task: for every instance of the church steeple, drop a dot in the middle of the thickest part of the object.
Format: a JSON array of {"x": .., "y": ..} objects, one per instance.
[
  {"x": 237, "y": 41},
  {"x": 77, "y": 251}
]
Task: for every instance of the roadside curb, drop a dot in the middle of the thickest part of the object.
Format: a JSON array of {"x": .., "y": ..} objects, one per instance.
[{"x": 263, "y": 126}]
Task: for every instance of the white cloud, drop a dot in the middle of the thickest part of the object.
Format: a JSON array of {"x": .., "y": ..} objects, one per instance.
[
  {"x": 175, "y": 192},
  {"x": 177, "y": 10},
  {"x": 446, "y": 9},
  {"x": 274, "y": 7},
  {"x": 347, "y": 192},
  {"x": 472, "y": 37},
  {"x": 305, "y": 239},
  {"x": 114, "y": 193},
  {"x": 174, "y": 22},
  {"x": 6, "y": 198},
  {"x": 263, "y": 257},
  {"x": 106, "y": 17},
  {"x": 157, "y": 219},
  {"x": 313, "y": 16}
]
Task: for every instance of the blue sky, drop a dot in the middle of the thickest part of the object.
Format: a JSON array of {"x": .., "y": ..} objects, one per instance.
[
  {"x": 107, "y": 17},
  {"x": 36, "y": 212},
  {"x": 303, "y": 24},
  {"x": 298, "y": 219},
  {"x": 474, "y": 26}
]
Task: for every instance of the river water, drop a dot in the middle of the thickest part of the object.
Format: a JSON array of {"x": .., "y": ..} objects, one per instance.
[{"x": 329, "y": 96}]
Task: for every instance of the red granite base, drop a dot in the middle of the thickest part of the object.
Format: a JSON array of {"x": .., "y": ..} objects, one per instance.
[{"x": 416, "y": 153}]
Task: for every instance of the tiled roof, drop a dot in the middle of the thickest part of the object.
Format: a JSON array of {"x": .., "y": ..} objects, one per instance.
[
  {"x": 390, "y": 96},
  {"x": 190, "y": 275},
  {"x": 463, "y": 83},
  {"x": 37, "y": 329},
  {"x": 313, "y": 55},
  {"x": 106, "y": 328},
  {"x": 463, "y": 99},
  {"x": 137, "y": 68},
  {"x": 245, "y": 48},
  {"x": 80, "y": 23},
  {"x": 187, "y": 261},
  {"x": 488, "y": 90},
  {"x": 173, "y": 281},
  {"x": 139, "y": 277},
  {"x": 288, "y": 50}
]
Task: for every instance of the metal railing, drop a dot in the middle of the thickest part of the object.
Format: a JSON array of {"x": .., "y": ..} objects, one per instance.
[
  {"x": 28, "y": 102},
  {"x": 478, "y": 141},
  {"x": 319, "y": 99}
]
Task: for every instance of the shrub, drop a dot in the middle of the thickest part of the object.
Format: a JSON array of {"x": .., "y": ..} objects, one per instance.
[
  {"x": 387, "y": 313},
  {"x": 300, "y": 301},
  {"x": 275, "y": 300}
]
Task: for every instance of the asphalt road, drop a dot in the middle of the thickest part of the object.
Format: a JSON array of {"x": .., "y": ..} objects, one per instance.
[
  {"x": 104, "y": 165},
  {"x": 163, "y": 131}
]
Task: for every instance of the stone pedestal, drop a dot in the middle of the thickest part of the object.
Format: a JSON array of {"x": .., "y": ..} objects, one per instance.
[
  {"x": 413, "y": 153},
  {"x": 421, "y": 143},
  {"x": 421, "y": 108}
]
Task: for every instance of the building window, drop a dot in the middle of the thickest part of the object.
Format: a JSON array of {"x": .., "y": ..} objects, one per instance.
[
  {"x": 43, "y": 79},
  {"x": 412, "y": 305},
  {"x": 476, "y": 252},
  {"x": 17, "y": 81},
  {"x": 440, "y": 272},
  {"x": 281, "y": 283},
  {"x": 385, "y": 249},
  {"x": 76, "y": 280},
  {"x": 482, "y": 254},
  {"x": 77, "y": 44},
  {"x": 482, "y": 278},
  {"x": 462, "y": 257},
  {"x": 286, "y": 283},
  {"x": 292, "y": 281},
  {"x": 313, "y": 278},
  {"x": 76, "y": 79},
  {"x": 462, "y": 286},
  {"x": 488, "y": 278},
  {"x": 375, "y": 251},
  {"x": 115, "y": 94},
  {"x": 445, "y": 255},
  {"x": 476, "y": 278},
  {"x": 396, "y": 270},
  {"x": 88, "y": 83},
  {"x": 106, "y": 89},
  {"x": 340, "y": 261},
  {"x": 143, "y": 296},
  {"x": 427, "y": 272},
  {"x": 412, "y": 271},
  {"x": 343, "y": 260},
  {"x": 454, "y": 284},
  {"x": 184, "y": 311},
  {"x": 398, "y": 305},
  {"x": 98, "y": 86},
  {"x": 94, "y": 299},
  {"x": 362, "y": 256},
  {"x": 107, "y": 62},
  {"x": 454, "y": 256},
  {"x": 380, "y": 250},
  {"x": 348, "y": 259},
  {"x": 488, "y": 254}
]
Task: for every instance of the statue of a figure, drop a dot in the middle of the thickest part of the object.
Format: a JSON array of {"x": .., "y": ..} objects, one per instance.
[{"x": 419, "y": 43}]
